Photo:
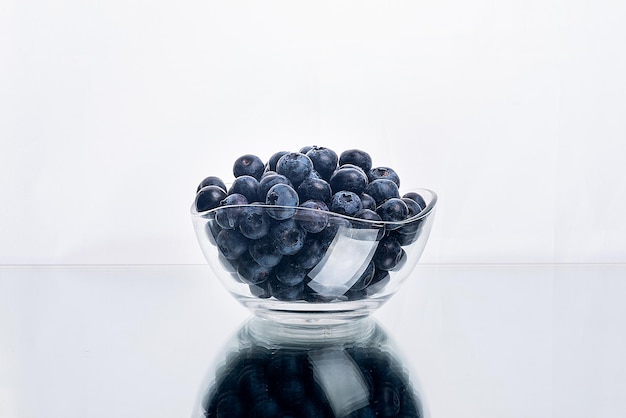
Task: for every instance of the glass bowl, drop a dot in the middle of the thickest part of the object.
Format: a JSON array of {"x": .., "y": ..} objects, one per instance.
[{"x": 317, "y": 267}]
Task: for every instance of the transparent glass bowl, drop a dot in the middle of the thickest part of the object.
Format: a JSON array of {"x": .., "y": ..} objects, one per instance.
[{"x": 342, "y": 272}]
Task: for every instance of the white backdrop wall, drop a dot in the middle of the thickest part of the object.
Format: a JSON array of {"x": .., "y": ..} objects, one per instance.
[{"x": 112, "y": 112}]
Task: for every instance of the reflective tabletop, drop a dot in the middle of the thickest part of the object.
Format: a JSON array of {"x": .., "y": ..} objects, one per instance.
[{"x": 473, "y": 340}]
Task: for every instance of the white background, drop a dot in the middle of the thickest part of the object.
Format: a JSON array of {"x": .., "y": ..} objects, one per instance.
[{"x": 112, "y": 112}]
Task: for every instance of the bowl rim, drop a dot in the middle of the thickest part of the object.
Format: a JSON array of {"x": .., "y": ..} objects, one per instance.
[{"x": 374, "y": 223}]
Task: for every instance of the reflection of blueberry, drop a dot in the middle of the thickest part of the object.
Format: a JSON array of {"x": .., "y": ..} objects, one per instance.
[
  {"x": 209, "y": 197},
  {"x": 324, "y": 161},
  {"x": 365, "y": 279},
  {"x": 248, "y": 165},
  {"x": 382, "y": 189},
  {"x": 356, "y": 157},
  {"x": 295, "y": 166},
  {"x": 282, "y": 195},
  {"x": 247, "y": 186},
  {"x": 346, "y": 203},
  {"x": 211, "y": 181},
  {"x": 347, "y": 178},
  {"x": 383, "y": 173}
]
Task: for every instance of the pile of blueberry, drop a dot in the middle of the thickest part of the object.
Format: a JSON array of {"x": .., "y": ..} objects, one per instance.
[
  {"x": 276, "y": 221},
  {"x": 261, "y": 382}
]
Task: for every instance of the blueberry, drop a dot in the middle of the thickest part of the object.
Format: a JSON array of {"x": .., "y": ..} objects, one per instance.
[
  {"x": 413, "y": 207},
  {"x": 231, "y": 243},
  {"x": 368, "y": 214},
  {"x": 252, "y": 272},
  {"x": 287, "y": 293},
  {"x": 306, "y": 149},
  {"x": 388, "y": 253},
  {"x": 295, "y": 166},
  {"x": 248, "y": 165},
  {"x": 351, "y": 179},
  {"x": 368, "y": 201},
  {"x": 382, "y": 189},
  {"x": 314, "y": 189},
  {"x": 346, "y": 203},
  {"x": 254, "y": 223},
  {"x": 289, "y": 272},
  {"x": 417, "y": 198},
  {"x": 356, "y": 157},
  {"x": 314, "y": 217},
  {"x": 287, "y": 236},
  {"x": 230, "y": 406},
  {"x": 393, "y": 210},
  {"x": 324, "y": 161},
  {"x": 228, "y": 217},
  {"x": 383, "y": 173},
  {"x": 247, "y": 186},
  {"x": 285, "y": 198},
  {"x": 209, "y": 197},
  {"x": 311, "y": 253},
  {"x": 266, "y": 183},
  {"x": 211, "y": 181},
  {"x": 264, "y": 252},
  {"x": 271, "y": 163}
]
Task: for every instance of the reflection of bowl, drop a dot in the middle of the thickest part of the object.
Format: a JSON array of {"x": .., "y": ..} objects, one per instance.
[
  {"x": 345, "y": 270},
  {"x": 274, "y": 370}
]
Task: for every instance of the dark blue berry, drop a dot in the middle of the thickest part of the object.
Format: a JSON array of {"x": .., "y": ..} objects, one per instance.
[
  {"x": 314, "y": 189},
  {"x": 228, "y": 217},
  {"x": 413, "y": 207},
  {"x": 306, "y": 149},
  {"x": 285, "y": 198},
  {"x": 383, "y": 173},
  {"x": 417, "y": 198},
  {"x": 368, "y": 201},
  {"x": 346, "y": 203},
  {"x": 382, "y": 189},
  {"x": 266, "y": 183},
  {"x": 388, "y": 253},
  {"x": 356, "y": 157},
  {"x": 324, "y": 161},
  {"x": 288, "y": 237},
  {"x": 264, "y": 252},
  {"x": 209, "y": 197},
  {"x": 231, "y": 243},
  {"x": 314, "y": 217},
  {"x": 248, "y": 165},
  {"x": 252, "y": 272},
  {"x": 350, "y": 179},
  {"x": 211, "y": 181},
  {"x": 393, "y": 210},
  {"x": 287, "y": 293},
  {"x": 295, "y": 166},
  {"x": 311, "y": 253},
  {"x": 247, "y": 186},
  {"x": 271, "y": 163},
  {"x": 254, "y": 223},
  {"x": 289, "y": 272}
]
